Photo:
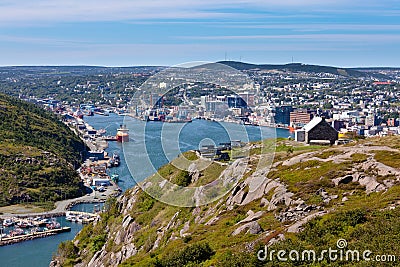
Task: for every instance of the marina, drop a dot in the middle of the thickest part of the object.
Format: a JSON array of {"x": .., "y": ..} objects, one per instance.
[
  {"x": 25, "y": 227},
  {"x": 32, "y": 235}
]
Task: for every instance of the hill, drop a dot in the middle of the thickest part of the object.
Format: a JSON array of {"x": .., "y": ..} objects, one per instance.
[
  {"x": 312, "y": 197},
  {"x": 38, "y": 155},
  {"x": 298, "y": 67}
]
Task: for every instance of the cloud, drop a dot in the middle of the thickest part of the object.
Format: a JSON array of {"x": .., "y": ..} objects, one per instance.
[
  {"x": 24, "y": 11},
  {"x": 373, "y": 38}
]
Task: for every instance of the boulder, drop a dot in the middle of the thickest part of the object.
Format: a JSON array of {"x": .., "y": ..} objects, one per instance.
[{"x": 251, "y": 227}]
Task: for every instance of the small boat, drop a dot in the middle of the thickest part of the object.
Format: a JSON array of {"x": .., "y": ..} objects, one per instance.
[
  {"x": 8, "y": 222},
  {"x": 115, "y": 156},
  {"x": 16, "y": 232},
  {"x": 102, "y": 131},
  {"x": 115, "y": 177}
]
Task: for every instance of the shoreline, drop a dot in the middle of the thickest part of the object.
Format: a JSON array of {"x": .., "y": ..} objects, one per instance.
[{"x": 63, "y": 206}]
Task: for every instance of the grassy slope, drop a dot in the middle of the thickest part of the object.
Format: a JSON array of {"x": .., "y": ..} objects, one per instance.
[
  {"x": 364, "y": 221},
  {"x": 38, "y": 154}
]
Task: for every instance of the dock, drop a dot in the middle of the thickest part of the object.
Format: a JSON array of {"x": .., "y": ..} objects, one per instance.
[{"x": 25, "y": 237}]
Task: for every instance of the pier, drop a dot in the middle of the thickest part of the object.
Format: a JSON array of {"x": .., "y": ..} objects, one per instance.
[{"x": 25, "y": 237}]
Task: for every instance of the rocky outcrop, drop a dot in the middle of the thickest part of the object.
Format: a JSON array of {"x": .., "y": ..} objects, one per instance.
[
  {"x": 296, "y": 227},
  {"x": 252, "y": 216},
  {"x": 251, "y": 227}
]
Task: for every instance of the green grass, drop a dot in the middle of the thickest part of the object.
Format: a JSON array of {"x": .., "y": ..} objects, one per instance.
[
  {"x": 388, "y": 158},
  {"x": 359, "y": 157}
]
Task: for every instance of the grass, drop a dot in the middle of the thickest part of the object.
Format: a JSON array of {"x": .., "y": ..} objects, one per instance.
[
  {"x": 358, "y": 220},
  {"x": 211, "y": 173},
  {"x": 388, "y": 158},
  {"x": 359, "y": 157},
  {"x": 326, "y": 154},
  {"x": 305, "y": 178},
  {"x": 27, "y": 208}
]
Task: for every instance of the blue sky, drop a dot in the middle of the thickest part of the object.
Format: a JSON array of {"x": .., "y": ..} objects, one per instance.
[{"x": 169, "y": 32}]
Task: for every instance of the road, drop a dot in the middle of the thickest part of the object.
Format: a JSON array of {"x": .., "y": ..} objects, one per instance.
[{"x": 64, "y": 205}]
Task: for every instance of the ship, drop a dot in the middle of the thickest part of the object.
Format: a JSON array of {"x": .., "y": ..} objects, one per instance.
[{"x": 123, "y": 134}]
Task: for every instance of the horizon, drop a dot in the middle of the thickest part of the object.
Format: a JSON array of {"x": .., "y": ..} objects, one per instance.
[
  {"x": 166, "y": 66},
  {"x": 167, "y": 33}
]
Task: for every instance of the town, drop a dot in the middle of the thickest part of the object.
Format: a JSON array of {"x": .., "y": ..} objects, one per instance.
[{"x": 356, "y": 103}]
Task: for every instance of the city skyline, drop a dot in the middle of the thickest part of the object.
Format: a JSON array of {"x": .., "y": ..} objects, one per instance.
[{"x": 133, "y": 33}]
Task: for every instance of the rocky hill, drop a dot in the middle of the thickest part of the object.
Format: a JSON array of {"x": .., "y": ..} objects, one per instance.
[
  {"x": 312, "y": 197},
  {"x": 38, "y": 155}
]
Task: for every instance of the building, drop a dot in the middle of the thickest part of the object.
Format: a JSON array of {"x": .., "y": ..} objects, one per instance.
[
  {"x": 392, "y": 122},
  {"x": 320, "y": 131},
  {"x": 282, "y": 114},
  {"x": 300, "y": 116},
  {"x": 101, "y": 182},
  {"x": 95, "y": 155},
  {"x": 235, "y": 101},
  {"x": 370, "y": 120},
  {"x": 248, "y": 98}
]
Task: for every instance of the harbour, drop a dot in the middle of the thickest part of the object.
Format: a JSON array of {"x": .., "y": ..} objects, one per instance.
[{"x": 30, "y": 236}]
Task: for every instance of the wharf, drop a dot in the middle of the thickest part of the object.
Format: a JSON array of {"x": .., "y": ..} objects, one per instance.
[{"x": 25, "y": 237}]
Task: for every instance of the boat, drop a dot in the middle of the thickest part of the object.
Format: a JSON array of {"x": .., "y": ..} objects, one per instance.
[
  {"x": 70, "y": 217},
  {"x": 102, "y": 131},
  {"x": 123, "y": 134},
  {"x": 115, "y": 156},
  {"x": 8, "y": 222},
  {"x": 16, "y": 232},
  {"x": 115, "y": 177},
  {"x": 53, "y": 225}
]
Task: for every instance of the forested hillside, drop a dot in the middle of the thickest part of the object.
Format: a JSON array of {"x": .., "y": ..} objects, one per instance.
[{"x": 38, "y": 155}]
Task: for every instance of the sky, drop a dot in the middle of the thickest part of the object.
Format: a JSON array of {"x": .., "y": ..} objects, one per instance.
[{"x": 351, "y": 33}]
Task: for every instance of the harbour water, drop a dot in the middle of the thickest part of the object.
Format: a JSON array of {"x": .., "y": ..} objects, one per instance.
[{"x": 161, "y": 149}]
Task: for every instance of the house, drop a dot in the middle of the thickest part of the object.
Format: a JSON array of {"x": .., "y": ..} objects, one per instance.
[{"x": 318, "y": 131}]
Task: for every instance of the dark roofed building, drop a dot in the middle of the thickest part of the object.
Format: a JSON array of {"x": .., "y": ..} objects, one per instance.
[{"x": 319, "y": 131}]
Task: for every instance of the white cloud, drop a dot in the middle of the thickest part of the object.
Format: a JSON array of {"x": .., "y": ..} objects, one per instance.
[{"x": 24, "y": 11}]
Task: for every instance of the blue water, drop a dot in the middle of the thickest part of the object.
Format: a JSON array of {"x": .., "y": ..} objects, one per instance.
[
  {"x": 37, "y": 252},
  {"x": 163, "y": 142}
]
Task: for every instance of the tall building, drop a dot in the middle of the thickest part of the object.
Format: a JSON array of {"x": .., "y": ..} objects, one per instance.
[
  {"x": 370, "y": 120},
  {"x": 282, "y": 114},
  {"x": 248, "y": 98},
  {"x": 235, "y": 101}
]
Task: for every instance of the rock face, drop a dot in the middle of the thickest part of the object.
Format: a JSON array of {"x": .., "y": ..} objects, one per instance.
[
  {"x": 257, "y": 194},
  {"x": 251, "y": 227}
]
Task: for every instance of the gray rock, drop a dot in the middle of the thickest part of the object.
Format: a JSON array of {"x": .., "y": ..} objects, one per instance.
[
  {"x": 254, "y": 226},
  {"x": 183, "y": 231},
  {"x": 212, "y": 220},
  {"x": 264, "y": 202},
  {"x": 252, "y": 216}
]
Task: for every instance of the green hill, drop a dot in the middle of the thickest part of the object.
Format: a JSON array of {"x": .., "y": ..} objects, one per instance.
[
  {"x": 312, "y": 197},
  {"x": 38, "y": 155},
  {"x": 297, "y": 67}
]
